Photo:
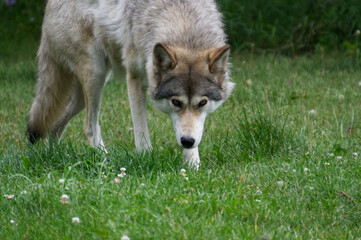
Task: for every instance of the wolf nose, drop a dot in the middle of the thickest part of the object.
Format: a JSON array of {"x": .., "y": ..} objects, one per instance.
[{"x": 187, "y": 142}]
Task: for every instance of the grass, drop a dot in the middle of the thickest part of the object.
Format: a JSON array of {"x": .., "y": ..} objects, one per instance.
[{"x": 266, "y": 170}]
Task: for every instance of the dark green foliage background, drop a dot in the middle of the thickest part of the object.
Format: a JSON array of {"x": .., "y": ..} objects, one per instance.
[
  {"x": 279, "y": 25},
  {"x": 296, "y": 26}
]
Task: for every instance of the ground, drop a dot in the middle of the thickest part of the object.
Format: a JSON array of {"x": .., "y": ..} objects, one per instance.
[{"x": 279, "y": 160}]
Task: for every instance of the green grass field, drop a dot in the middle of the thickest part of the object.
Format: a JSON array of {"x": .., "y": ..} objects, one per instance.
[{"x": 277, "y": 160}]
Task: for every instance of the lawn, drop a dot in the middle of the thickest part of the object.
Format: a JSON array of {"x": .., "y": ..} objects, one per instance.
[{"x": 278, "y": 160}]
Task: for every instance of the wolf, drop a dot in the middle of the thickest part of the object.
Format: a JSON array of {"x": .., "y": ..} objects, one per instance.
[{"x": 174, "y": 49}]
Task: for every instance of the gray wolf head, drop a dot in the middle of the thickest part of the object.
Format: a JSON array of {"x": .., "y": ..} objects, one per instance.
[{"x": 188, "y": 84}]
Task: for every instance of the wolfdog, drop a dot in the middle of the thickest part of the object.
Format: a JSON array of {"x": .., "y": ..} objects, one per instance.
[{"x": 174, "y": 48}]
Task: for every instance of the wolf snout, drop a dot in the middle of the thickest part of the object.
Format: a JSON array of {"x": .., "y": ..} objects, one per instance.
[{"x": 187, "y": 142}]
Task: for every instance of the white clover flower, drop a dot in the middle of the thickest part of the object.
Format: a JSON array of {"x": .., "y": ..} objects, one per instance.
[
  {"x": 280, "y": 183},
  {"x": 306, "y": 169},
  {"x": 339, "y": 157},
  {"x": 117, "y": 180},
  {"x": 64, "y": 199},
  {"x": 125, "y": 237},
  {"x": 327, "y": 164},
  {"x": 120, "y": 175},
  {"x": 183, "y": 174},
  {"x": 355, "y": 155},
  {"x": 341, "y": 97},
  {"x": 123, "y": 169},
  {"x": 61, "y": 180},
  {"x": 9, "y": 196},
  {"x": 12, "y": 221},
  {"x": 75, "y": 220},
  {"x": 312, "y": 112},
  {"x": 331, "y": 154}
]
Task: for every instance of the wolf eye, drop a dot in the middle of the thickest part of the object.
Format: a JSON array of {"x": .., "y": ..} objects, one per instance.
[
  {"x": 202, "y": 103},
  {"x": 176, "y": 103}
]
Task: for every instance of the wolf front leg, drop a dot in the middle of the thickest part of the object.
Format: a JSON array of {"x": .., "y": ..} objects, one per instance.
[
  {"x": 191, "y": 157},
  {"x": 93, "y": 85},
  {"x": 137, "y": 94}
]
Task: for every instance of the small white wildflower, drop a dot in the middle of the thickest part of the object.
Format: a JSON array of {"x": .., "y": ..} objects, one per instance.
[
  {"x": 9, "y": 196},
  {"x": 67, "y": 188},
  {"x": 24, "y": 192},
  {"x": 341, "y": 97},
  {"x": 294, "y": 170},
  {"x": 12, "y": 221},
  {"x": 75, "y": 220},
  {"x": 64, "y": 199},
  {"x": 123, "y": 169},
  {"x": 306, "y": 169},
  {"x": 120, "y": 175},
  {"x": 117, "y": 180},
  {"x": 61, "y": 180},
  {"x": 355, "y": 155},
  {"x": 331, "y": 154},
  {"x": 357, "y": 32},
  {"x": 312, "y": 112},
  {"x": 280, "y": 183},
  {"x": 125, "y": 237},
  {"x": 183, "y": 174},
  {"x": 258, "y": 191},
  {"x": 339, "y": 158},
  {"x": 257, "y": 200},
  {"x": 327, "y": 164}
]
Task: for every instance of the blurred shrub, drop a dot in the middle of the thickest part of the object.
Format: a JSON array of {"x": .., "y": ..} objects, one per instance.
[
  {"x": 293, "y": 26},
  {"x": 276, "y": 25},
  {"x": 20, "y": 18}
]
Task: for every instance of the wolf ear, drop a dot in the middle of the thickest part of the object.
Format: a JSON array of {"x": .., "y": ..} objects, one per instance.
[
  {"x": 218, "y": 60},
  {"x": 163, "y": 58}
]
